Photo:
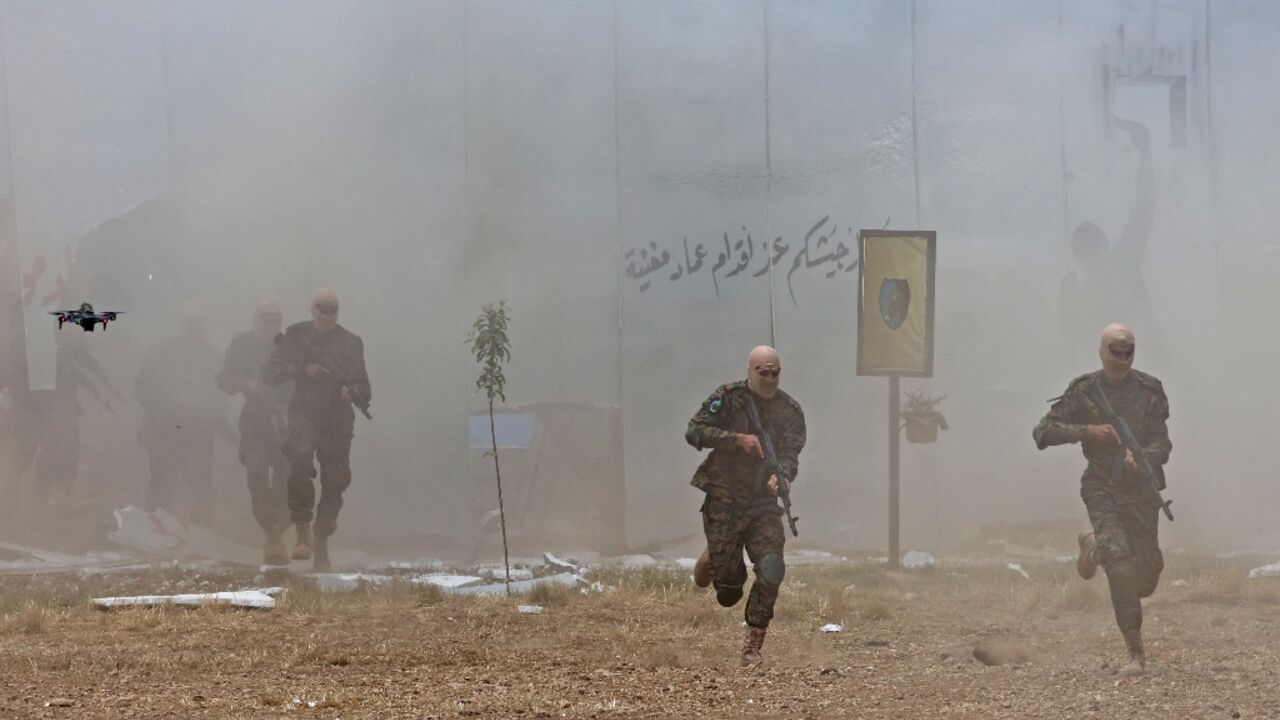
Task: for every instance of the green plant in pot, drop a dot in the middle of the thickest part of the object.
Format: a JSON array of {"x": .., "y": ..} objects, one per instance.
[{"x": 921, "y": 416}]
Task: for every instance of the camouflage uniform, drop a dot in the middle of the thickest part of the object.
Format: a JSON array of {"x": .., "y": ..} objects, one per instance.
[
  {"x": 1122, "y": 506},
  {"x": 321, "y": 423},
  {"x": 262, "y": 429},
  {"x": 734, "y": 515}
]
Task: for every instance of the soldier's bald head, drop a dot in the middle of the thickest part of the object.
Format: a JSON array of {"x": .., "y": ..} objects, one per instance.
[
  {"x": 325, "y": 296},
  {"x": 764, "y": 370},
  {"x": 267, "y": 319},
  {"x": 324, "y": 310},
  {"x": 1116, "y": 348},
  {"x": 266, "y": 307}
]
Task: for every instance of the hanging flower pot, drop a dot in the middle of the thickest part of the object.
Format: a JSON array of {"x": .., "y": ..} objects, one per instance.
[
  {"x": 922, "y": 427},
  {"x": 922, "y": 420}
]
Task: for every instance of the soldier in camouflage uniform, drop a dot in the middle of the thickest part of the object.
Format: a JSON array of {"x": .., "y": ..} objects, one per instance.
[
  {"x": 1123, "y": 507},
  {"x": 734, "y": 515},
  {"x": 321, "y": 419},
  {"x": 262, "y": 427}
]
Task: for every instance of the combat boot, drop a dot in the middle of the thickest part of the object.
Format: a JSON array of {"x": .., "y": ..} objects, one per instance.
[
  {"x": 751, "y": 645},
  {"x": 321, "y": 562},
  {"x": 302, "y": 550},
  {"x": 273, "y": 552},
  {"x": 1137, "y": 656},
  {"x": 1087, "y": 563},
  {"x": 702, "y": 569}
]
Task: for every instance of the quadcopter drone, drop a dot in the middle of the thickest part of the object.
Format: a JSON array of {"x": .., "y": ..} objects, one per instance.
[{"x": 85, "y": 317}]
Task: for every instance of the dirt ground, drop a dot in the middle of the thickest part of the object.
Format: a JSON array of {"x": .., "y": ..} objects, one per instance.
[{"x": 651, "y": 646}]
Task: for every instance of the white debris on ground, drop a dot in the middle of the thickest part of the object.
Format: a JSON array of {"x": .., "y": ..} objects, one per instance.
[
  {"x": 562, "y": 565},
  {"x": 1272, "y": 570},
  {"x": 446, "y": 581},
  {"x": 529, "y": 609},
  {"x": 918, "y": 560},
  {"x": 498, "y": 572},
  {"x": 1018, "y": 569},
  {"x": 633, "y": 562},
  {"x": 346, "y": 582},
  {"x": 831, "y": 628},
  {"x": 596, "y": 587},
  {"x": 686, "y": 563},
  {"x": 255, "y": 599},
  {"x": 521, "y": 587}
]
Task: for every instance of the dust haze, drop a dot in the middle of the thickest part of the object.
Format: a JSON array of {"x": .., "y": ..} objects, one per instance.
[{"x": 573, "y": 158}]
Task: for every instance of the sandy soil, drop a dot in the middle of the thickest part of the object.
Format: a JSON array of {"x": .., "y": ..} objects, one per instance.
[{"x": 653, "y": 646}]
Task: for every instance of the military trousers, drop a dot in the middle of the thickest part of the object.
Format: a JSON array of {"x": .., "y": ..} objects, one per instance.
[
  {"x": 325, "y": 437},
  {"x": 267, "y": 472},
  {"x": 734, "y": 522},
  {"x": 1128, "y": 549}
]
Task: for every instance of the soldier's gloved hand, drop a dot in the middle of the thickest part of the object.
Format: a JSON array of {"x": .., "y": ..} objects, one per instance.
[
  {"x": 773, "y": 485},
  {"x": 749, "y": 444},
  {"x": 314, "y": 371},
  {"x": 1104, "y": 434}
]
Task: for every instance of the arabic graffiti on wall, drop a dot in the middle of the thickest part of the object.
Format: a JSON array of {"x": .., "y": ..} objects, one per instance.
[{"x": 820, "y": 249}]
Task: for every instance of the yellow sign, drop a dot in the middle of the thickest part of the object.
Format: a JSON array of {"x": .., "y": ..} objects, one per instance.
[{"x": 895, "y": 302}]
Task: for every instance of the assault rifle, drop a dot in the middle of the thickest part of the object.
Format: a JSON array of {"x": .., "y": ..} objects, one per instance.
[
  {"x": 357, "y": 399},
  {"x": 1130, "y": 443},
  {"x": 770, "y": 466}
]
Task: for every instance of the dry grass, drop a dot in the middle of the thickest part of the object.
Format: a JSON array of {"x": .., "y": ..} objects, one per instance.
[
  {"x": 550, "y": 594},
  {"x": 876, "y": 606},
  {"x": 33, "y": 619},
  {"x": 429, "y": 595},
  {"x": 653, "y": 646},
  {"x": 1220, "y": 584}
]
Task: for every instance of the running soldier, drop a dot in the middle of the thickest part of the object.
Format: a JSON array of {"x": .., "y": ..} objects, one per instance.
[
  {"x": 1123, "y": 507},
  {"x": 263, "y": 427},
  {"x": 326, "y": 361},
  {"x": 734, "y": 515}
]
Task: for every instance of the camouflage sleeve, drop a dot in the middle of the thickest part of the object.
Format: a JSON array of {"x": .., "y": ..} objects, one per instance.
[
  {"x": 1158, "y": 446},
  {"x": 1061, "y": 426},
  {"x": 790, "y": 444},
  {"x": 706, "y": 427},
  {"x": 285, "y": 363}
]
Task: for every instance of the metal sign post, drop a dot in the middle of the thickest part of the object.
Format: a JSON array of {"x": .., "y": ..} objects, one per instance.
[{"x": 895, "y": 330}]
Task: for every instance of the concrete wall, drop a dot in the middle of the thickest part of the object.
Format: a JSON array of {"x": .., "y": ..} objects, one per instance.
[{"x": 429, "y": 157}]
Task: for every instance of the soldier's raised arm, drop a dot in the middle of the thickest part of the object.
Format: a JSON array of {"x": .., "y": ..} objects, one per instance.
[
  {"x": 1062, "y": 424},
  {"x": 706, "y": 428}
]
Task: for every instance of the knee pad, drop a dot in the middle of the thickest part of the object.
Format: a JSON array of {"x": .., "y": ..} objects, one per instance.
[
  {"x": 773, "y": 569},
  {"x": 728, "y": 597}
]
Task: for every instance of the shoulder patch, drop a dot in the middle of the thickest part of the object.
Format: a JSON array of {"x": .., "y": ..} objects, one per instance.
[{"x": 714, "y": 405}]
